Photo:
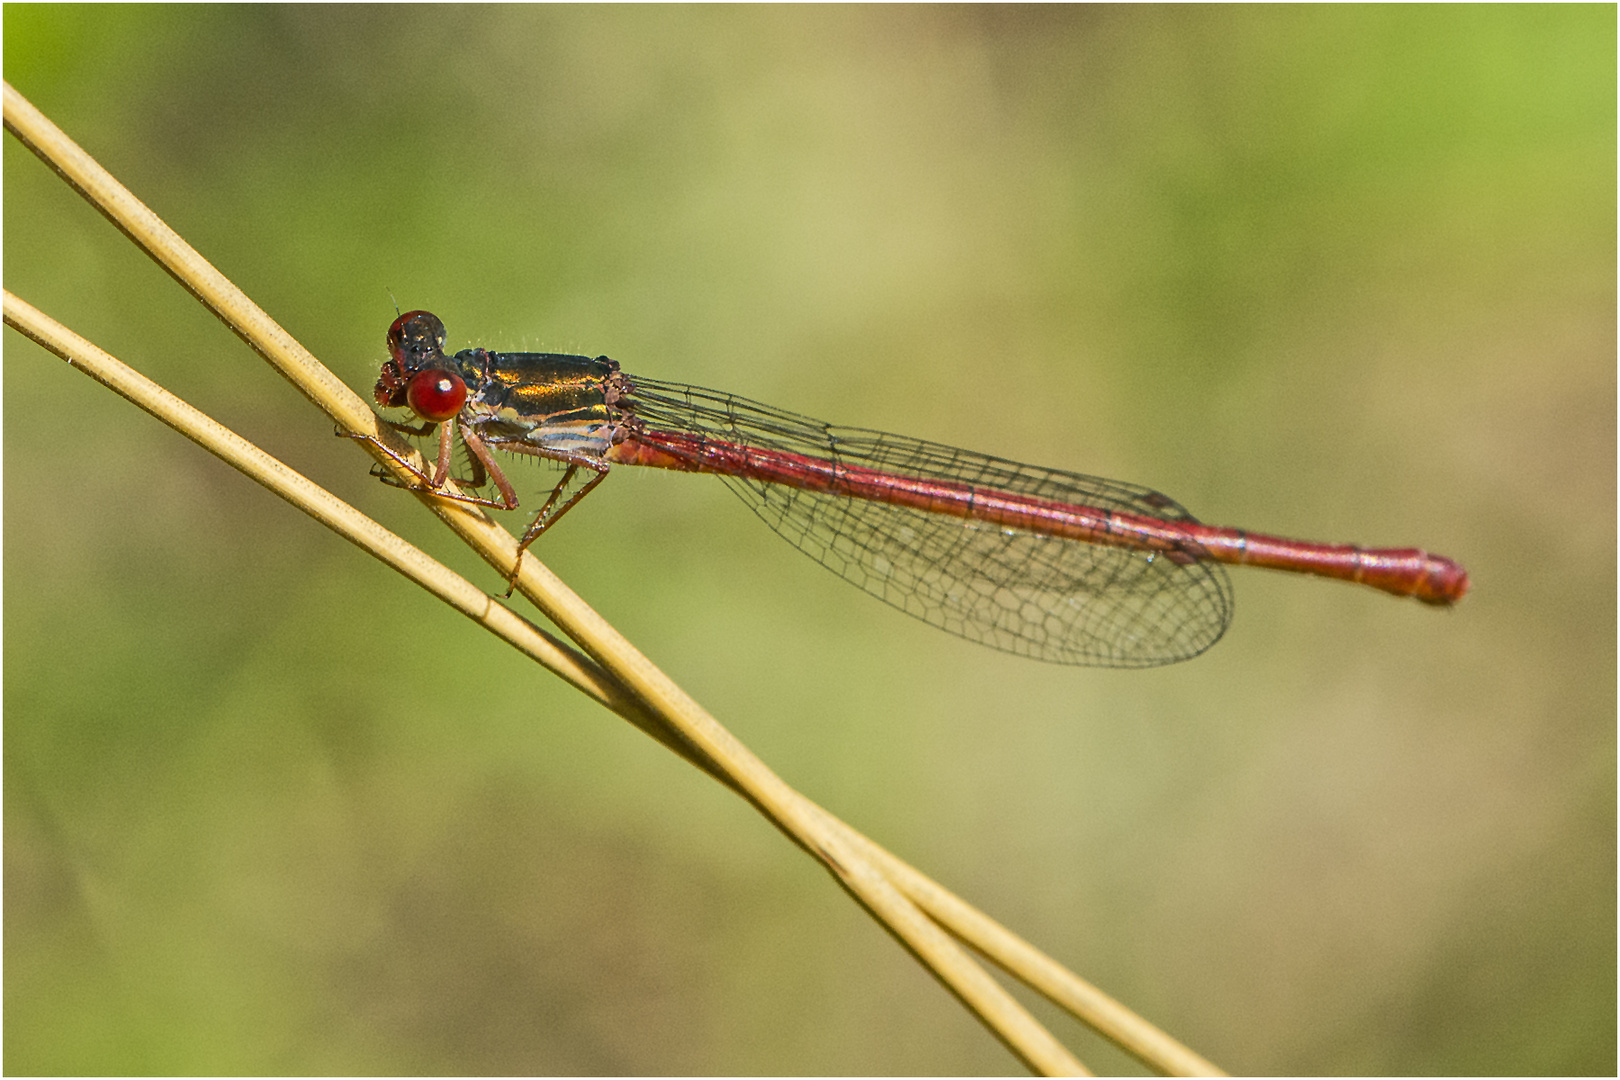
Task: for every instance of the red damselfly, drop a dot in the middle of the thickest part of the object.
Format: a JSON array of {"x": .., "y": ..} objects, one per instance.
[{"x": 1053, "y": 565}]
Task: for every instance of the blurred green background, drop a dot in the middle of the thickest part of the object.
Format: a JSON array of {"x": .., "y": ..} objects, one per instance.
[{"x": 1346, "y": 274}]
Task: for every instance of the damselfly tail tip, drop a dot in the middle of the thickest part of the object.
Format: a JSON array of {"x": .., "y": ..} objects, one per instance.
[{"x": 1444, "y": 582}]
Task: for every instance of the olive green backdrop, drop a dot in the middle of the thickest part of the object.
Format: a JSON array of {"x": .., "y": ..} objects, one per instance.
[{"x": 1346, "y": 274}]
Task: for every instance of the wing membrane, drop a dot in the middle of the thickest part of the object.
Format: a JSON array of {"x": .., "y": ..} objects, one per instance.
[{"x": 1055, "y": 599}]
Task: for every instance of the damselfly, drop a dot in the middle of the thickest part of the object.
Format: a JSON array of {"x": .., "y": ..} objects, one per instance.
[{"x": 1048, "y": 564}]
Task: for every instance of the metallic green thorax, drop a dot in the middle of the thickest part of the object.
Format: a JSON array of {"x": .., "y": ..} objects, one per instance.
[{"x": 544, "y": 400}]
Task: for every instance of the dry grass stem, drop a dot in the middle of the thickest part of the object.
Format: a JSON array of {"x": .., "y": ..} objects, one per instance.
[{"x": 927, "y": 918}]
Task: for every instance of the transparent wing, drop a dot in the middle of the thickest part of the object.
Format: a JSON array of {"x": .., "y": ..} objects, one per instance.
[{"x": 1060, "y": 600}]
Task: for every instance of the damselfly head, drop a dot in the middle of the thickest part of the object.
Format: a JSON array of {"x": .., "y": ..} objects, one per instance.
[
  {"x": 416, "y": 341},
  {"x": 415, "y": 345}
]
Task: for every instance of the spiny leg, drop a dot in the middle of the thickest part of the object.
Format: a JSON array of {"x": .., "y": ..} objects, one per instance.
[
  {"x": 484, "y": 465},
  {"x": 424, "y": 482},
  {"x": 484, "y": 468},
  {"x": 546, "y": 518}
]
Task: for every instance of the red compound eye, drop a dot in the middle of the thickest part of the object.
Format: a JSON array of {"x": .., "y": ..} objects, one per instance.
[{"x": 436, "y": 395}]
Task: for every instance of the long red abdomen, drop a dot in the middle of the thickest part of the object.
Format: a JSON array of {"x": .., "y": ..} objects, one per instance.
[{"x": 1433, "y": 579}]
